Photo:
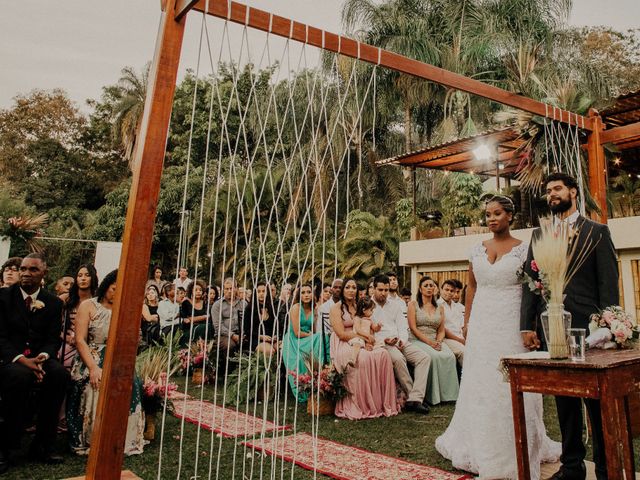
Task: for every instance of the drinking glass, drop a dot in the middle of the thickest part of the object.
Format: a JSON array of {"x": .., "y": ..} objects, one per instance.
[{"x": 576, "y": 337}]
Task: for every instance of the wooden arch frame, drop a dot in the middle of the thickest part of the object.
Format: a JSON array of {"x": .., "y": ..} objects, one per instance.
[{"x": 107, "y": 443}]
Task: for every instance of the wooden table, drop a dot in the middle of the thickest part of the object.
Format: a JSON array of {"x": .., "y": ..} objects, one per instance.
[{"x": 607, "y": 375}]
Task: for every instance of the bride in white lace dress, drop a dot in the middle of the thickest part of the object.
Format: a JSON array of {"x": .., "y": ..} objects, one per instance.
[{"x": 480, "y": 437}]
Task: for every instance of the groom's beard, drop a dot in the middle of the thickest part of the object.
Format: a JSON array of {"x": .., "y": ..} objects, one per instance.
[{"x": 560, "y": 207}]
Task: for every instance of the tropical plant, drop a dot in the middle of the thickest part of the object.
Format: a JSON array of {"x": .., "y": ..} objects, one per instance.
[
  {"x": 624, "y": 195},
  {"x": 254, "y": 378}
]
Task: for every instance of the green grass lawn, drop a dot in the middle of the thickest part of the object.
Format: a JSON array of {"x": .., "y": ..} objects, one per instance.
[{"x": 406, "y": 436}]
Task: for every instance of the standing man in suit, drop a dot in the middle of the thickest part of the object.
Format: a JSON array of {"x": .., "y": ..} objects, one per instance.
[
  {"x": 593, "y": 287},
  {"x": 30, "y": 325}
]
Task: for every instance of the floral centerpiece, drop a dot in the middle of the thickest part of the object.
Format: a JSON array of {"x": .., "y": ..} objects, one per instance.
[
  {"x": 556, "y": 260},
  {"x": 196, "y": 359},
  {"x": 326, "y": 383},
  {"x": 612, "y": 327}
]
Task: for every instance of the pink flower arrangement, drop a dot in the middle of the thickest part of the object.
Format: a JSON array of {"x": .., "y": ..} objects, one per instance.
[
  {"x": 154, "y": 393},
  {"x": 621, "y": 324},
  {"x": 329, "y": 381},
  {"x": 534, "y": 266}
]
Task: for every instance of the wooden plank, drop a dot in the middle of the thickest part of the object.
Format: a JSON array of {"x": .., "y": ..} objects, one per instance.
[
  {"x": 183, "y": 7},
  {"x": 617, "y": 134},
  {"x": 284, "y": 27},
  {"x": 107, "y": 441},
  {"x": 125, "y": 475},
  {"x": 597, "y": 168}
]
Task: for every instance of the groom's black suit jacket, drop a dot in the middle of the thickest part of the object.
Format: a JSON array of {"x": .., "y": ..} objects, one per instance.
[
  {"x": 20, "y": 330},
  {"x": 592, "y": 288}
]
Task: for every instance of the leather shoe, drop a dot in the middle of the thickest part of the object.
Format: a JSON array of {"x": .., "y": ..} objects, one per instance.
[
  {"x": 564, "y": 474},
  {"x": 416, "y": 407},
  {"x": 4, "y": 462},
  {"x": 44, "y": 455}
]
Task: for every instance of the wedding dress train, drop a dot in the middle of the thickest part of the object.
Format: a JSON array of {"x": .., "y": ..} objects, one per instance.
[{"x": 480, "y": 437}]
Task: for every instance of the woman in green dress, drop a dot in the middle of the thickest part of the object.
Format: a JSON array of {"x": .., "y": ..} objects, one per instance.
[
  {"x": 92, "y": 328},
  {"x": 426, "y": 330},
  {"x": 300, "y": 343}
]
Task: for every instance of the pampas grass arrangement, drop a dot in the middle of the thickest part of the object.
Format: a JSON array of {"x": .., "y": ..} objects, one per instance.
[{"x": 558, "y": 258}]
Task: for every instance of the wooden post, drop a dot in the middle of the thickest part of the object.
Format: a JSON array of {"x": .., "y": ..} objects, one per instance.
[
  {"x": 414, "y": 194},
  {"x": 597, "y": 167},
  {"x": 107, "y": 441}
]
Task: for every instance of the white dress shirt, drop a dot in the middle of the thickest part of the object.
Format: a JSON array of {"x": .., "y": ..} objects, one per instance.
[
  {"x": 323, "y": 316},
  {"x": 169, "y": 313},
  {"x": 453, "y": 316},
  {"x": 393, "y": 321}
]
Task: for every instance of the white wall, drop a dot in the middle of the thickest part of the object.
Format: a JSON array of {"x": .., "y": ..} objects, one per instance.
[{"x": 107, "y": 257}]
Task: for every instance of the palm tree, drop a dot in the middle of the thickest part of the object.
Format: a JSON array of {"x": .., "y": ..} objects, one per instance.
[
  {"x": 626, "y": 196},
  {"x": 131, "y": 91}
]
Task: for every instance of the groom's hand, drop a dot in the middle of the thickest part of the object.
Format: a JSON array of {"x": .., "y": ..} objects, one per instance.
[{"x": 530, "y": 340}]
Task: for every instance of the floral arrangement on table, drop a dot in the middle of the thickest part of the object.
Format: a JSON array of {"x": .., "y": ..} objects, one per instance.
[
  {"x": 611, "y": 328},
  {"x": 557, "y": 258},
  {"x": 197, "y": 360}
]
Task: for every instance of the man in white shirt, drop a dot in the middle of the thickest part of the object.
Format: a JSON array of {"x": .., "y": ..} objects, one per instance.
[
  {"x": 453, "y": 320},
  {"x": 325, "y": 308},
  {"x": 169, "y": 310},
  {"x": 393, "y": 293},
  {"x": 395, "y": 334},
  {"x": 183, "y": 279}
]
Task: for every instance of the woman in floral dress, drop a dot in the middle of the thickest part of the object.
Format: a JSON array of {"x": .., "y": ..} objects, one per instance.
[{"x": 92, "y": 328}]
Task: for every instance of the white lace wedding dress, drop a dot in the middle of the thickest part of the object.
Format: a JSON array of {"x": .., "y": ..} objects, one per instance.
[{"x": 480, "y": 437}]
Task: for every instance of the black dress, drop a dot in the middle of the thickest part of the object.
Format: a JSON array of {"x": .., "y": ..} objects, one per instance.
[{"x": 199, "y": 329}]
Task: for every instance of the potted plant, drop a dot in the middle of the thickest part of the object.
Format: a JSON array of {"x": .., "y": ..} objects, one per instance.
[
  {"x": 195, "y": 360},
  {"x": 324, "y": 387},
  {"x": 152, "y": 367}
]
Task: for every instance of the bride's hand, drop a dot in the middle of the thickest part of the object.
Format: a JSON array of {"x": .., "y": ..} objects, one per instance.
[
  {"x": 465, "y": 329},
  {"x": 530, "y": 340}
]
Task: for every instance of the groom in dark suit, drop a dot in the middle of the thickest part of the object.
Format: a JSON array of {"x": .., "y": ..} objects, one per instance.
[
  {"x": 30, "y": 326},
  {"x": 593, "y": 287}
]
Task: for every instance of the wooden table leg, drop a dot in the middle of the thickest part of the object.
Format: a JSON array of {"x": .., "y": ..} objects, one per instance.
[
  {"x": 626, "y": 437},
  {"x": 611, "y": 433},
  {"x": 519, "y": 428}
]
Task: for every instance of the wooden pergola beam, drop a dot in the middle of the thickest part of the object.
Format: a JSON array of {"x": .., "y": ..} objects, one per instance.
[
  {"x": 618, "y": 134},
  {"x": 107, "y": 440},
  {"x": 287, "y": 28},
  {"x": 597, "y": 168}
]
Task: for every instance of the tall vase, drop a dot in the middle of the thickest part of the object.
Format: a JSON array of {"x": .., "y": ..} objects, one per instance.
[{"x": 555, "y": 323}]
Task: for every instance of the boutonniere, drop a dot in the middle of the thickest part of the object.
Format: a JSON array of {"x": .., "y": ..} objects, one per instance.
[{"x": 37, "y": 305}]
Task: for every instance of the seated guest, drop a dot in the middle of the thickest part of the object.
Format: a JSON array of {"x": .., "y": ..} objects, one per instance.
[
  {"x": 213, "y": 294},
  {"x": 194, "y": 312},
  {"x": 183, "y": 279},
  {"x": 405, "y": 294},
  {"x": 63, "y": 285},
  {"x": 362, "y": 291},
  {"x": 259, "y": 322},
  {"x": 370, "y": 383},
  {"x": 92, "y": 329},
  {"x": 301, "y": 344},
  {"x": 426, "y": 326},
  {"x": 394, "y": 334},
  {"x": 453, "y": 320},
  {"x": 156, "y": 278},
  {"x": 225, "y": 315},
  {"x": 84, "y": 287},
  {"x": 181, "y": 294},
  {"x": 10, "y": 272},
  {"x": 457, "y": 294},
  {"x": 29, "y": 343},
  {"x": 169, "y": 310},
  {"x": 282, "y": 310},
  {"x": 150, "y": 325},
  {"x": 326, "y": 294}
]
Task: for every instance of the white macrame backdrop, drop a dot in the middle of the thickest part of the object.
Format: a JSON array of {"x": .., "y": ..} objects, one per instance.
[{"x": 348, "y": 83}]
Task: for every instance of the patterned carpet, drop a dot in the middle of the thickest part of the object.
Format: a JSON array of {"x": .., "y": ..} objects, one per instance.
[
  {"x": 344, "y": 462},
  {"x": 225, "y": 421}
]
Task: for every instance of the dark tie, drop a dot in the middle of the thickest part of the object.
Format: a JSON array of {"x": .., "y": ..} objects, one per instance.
[{"x": 27, "y": 302}]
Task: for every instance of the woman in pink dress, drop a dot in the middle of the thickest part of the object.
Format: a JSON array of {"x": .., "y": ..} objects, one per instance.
[{"x": 371, "y": 384}]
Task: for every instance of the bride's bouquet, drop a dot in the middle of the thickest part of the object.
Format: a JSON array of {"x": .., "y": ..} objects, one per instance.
[
  {"x": 557, "y": 258},
  {"x": 612, "y": 327}
]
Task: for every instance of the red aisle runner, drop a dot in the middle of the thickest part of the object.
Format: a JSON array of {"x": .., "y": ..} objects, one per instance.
[
  {"x": 225, "y": 421},
  {"x": 344, "y": 462}
]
